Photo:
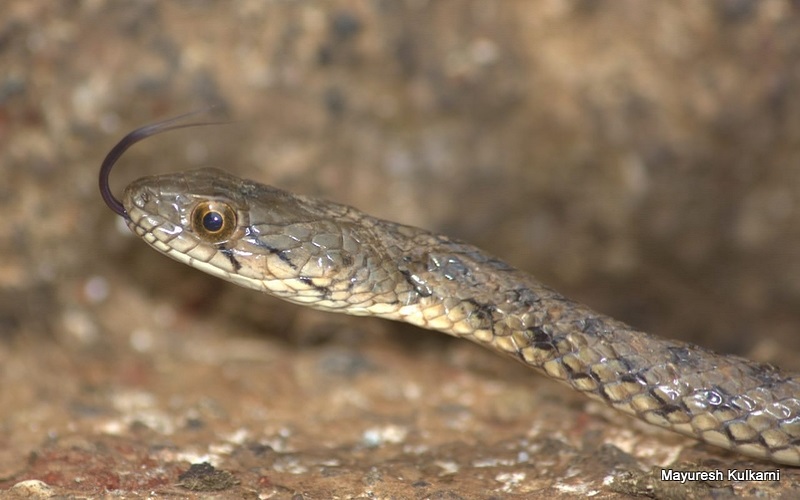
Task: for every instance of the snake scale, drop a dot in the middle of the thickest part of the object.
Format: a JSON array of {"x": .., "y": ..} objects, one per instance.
[{"x": 336, "y": 258}]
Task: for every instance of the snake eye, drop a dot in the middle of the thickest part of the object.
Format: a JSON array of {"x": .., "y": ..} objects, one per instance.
[{"x": 214, "y": 221}]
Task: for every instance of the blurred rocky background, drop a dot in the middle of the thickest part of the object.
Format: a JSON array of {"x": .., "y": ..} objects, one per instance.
[{"x": 643, "y": 157}]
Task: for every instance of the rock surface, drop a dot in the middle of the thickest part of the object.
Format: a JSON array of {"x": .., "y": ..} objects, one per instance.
[{"x": 638, "y": 156}]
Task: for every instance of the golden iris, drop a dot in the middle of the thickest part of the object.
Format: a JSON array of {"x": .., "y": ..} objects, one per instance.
[{"x": 214, "y": 221}]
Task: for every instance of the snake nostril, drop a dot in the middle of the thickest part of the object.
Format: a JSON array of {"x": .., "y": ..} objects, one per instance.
[{"x": 141, "y": 199}]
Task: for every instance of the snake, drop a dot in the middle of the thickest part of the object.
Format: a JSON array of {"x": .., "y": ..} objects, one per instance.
[{"x": 333, "y": 257}]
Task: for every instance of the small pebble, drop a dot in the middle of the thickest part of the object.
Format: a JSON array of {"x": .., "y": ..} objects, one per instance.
[
  {"x": 96, "y": 289},
  {"x": 32, "y": 488}
]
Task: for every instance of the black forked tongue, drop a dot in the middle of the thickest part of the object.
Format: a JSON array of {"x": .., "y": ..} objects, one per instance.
[{"x": 132, "y": 138}]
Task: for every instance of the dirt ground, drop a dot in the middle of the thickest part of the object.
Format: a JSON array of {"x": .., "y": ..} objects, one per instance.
[{"x": 642, "y": 157}]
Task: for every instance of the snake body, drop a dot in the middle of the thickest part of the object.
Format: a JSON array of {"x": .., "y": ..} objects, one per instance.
[{"x": 334, "y": 257}]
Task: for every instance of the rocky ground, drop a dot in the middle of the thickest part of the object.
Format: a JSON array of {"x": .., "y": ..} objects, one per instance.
[{"x": 641, "y": 157}]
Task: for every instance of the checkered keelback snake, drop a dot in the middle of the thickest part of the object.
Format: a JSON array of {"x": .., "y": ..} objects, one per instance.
[{"x": 334, "y": 257}]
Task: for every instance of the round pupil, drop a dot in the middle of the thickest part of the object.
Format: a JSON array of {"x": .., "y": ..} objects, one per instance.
[{"x": 212, "y": 221}]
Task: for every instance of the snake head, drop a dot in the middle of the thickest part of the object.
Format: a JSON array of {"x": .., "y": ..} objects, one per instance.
[{"x": 254, "y": 235}]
